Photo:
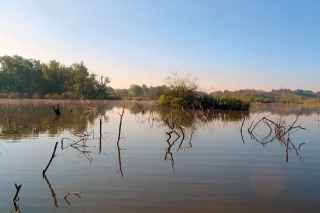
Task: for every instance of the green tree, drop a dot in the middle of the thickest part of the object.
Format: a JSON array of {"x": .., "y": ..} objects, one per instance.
[
  {"x": 31, "y": 78},
  {"x": 102, "y": 91},
  {"x": 135, "y": 90},
  {"x": 20, "y": 75}
]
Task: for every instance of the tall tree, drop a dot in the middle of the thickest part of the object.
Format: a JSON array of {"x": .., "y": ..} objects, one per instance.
[{"x": 80, "y": 73}]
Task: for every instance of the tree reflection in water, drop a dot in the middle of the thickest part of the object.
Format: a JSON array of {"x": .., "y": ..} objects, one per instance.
[{"x": 175, "y": 123}]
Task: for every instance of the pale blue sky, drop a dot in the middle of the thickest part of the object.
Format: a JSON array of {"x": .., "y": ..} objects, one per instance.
[{"x": 227, "y": 44}]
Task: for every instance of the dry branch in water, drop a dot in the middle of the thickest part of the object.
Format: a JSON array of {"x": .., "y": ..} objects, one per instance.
[
  {"x": 88, "y": 108},
  {"x": 279, "y": 130},
  {"x": 279, "y": 127},
  {"x": 121, "y": 115},
  {"x": 75, "y": 193},
  {"x": 53, "y": 155},
  {"x": 18, "y": 188},
  {"x": 119, "y": 149}
]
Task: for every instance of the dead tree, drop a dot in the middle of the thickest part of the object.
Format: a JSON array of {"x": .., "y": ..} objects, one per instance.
[{"x": 279, "y": 130}]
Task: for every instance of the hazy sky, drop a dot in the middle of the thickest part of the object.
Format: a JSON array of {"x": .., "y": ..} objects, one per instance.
[{"x": 227, "y": 44}]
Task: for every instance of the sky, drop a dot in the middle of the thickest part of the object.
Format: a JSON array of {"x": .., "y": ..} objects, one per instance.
[{"x": 226, "y": 44}]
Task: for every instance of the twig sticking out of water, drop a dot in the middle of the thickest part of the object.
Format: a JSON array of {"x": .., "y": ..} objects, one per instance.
[
  {"x": 88, "y": 108},
  {"x": 75, "y": 193},
  {"x": 191, "y": 133},
  {"x": 278, "y": 130},
  {"x": 121, "y": 115},
  {"x": 119, "y": 154},
  {"x": 53, "y": 155},
  {"x": 203, "y": 116},
  {"x": 18, "y": 188}
]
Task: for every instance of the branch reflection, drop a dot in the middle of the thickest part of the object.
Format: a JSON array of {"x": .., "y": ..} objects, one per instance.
[
  {"x": 16, "y": 206},
  {"x": 53, "y": 194},
  {"x": 278, "y": 130},
  {"x": 74, "y": 193},
  {"x": 172, "y": 125},
  {"x": 118, "y": 143}
]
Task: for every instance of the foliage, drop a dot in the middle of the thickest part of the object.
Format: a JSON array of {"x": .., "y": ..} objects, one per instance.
[
  {"x": 180, "y": 91},
  {"x": 223, "y": 102},
  {"x": 275, "y": 96},
  {"x": 29, "y": 78},
  {"x": 135, "y": 90}
]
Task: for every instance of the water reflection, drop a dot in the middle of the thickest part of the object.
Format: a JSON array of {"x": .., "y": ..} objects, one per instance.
[
  {"x": 167, "y": 150},
  {"x": 277, "y": 130},
  {"x": 74, "y": 193},
  {"x": 25, "y": 118},
  {"x": 118, "y": 142},
  {"x": 172, "y": 121},
  {"x": 79, "y": 145},
  {"x": 53, "y": 194},
  {"x": 16, "y": 207}
]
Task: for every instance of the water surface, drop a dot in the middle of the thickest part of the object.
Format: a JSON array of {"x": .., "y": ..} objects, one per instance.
[{"x": 211, "y": 169}]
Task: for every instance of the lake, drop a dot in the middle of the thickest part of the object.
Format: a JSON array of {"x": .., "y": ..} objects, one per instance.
[{"x": 162, "y": 161}]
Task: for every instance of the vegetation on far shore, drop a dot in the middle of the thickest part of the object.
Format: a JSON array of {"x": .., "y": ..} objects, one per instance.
[{"x": 30, "y": 78}]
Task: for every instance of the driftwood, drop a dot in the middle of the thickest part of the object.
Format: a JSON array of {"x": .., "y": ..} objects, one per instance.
[{"x": 53, "y": 155}]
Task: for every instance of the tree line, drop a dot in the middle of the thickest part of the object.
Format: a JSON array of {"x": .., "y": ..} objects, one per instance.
[
  {"x": 29, "y": 78},
  {"x": 298, "y": 96}
]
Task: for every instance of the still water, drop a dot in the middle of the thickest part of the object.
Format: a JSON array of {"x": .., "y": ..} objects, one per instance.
[{"x": 210, "y": 163}]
